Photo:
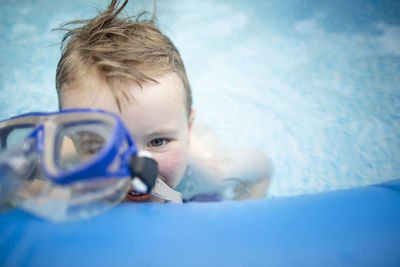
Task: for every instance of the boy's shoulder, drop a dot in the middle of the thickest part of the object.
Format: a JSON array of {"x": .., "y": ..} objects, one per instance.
[{"x": 216, "y": 169}]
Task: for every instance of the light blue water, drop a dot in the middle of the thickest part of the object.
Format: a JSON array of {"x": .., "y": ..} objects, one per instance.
[{"x": 314, "y": 84}]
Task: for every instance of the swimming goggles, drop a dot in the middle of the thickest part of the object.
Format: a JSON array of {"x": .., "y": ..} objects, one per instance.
[{"x": 73, "y": 164}]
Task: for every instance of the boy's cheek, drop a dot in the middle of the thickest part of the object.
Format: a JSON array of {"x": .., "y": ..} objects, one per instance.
[{"x": 172, "y": 165}]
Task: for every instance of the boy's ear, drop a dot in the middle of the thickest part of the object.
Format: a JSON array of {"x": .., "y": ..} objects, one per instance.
[{"x": 191, "y": 118}]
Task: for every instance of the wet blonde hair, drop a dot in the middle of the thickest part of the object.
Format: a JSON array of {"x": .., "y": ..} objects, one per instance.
[{"x": 119, "y": 49}]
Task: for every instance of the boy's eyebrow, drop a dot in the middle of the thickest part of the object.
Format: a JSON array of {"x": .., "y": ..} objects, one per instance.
[{"x": 164, "y": 131}]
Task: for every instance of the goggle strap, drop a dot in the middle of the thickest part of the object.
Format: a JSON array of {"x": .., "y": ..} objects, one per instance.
[
  {"x": 163, "y": 191},
  {"x": 144, "y": 172},
  {"x": 144, "y": 168}
]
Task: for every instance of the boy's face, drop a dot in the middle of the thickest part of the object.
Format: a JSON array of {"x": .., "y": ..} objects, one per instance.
[{"x": 156, "y": 117}]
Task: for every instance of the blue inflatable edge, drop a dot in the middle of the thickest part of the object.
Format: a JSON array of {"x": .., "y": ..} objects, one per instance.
[{"x": 354, "y": 227}]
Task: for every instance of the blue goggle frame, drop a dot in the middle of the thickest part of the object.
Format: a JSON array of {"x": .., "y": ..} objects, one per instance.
[{"x": 93, "y": 168}]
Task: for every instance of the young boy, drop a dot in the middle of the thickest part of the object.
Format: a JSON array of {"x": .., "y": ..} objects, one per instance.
[{"x": 132, "y": 69}]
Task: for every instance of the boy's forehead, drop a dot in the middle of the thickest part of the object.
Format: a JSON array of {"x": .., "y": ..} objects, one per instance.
[{"x": 90, "y": 89}]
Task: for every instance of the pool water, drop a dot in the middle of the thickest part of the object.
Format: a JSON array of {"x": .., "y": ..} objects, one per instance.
[{"x": 314, "y": 84}]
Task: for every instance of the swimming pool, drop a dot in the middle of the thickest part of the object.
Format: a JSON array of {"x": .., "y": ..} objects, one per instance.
[{"x": 314, "y": 85}]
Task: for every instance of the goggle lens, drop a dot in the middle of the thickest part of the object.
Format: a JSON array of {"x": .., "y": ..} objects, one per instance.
[{"x": 78, "y": 144}]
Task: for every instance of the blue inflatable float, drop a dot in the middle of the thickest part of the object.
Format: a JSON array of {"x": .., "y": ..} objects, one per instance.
[{"x": 354, "y": 227}]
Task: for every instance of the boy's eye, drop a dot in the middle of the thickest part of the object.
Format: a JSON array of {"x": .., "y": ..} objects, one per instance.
[
  {"x": 87, "y": 143},
  {"x": 157, "y": 142}
]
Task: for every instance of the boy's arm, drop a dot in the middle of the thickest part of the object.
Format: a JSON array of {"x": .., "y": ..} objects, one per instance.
[
  {"x": 244, "y": 172},
  {"x": 253, "y": 172},
  {"x": 255, "y": 190},
  {"x": 259, "y": 189}
]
